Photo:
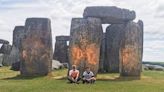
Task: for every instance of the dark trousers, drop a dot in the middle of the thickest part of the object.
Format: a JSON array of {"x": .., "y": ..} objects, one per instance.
[
  {"x": 73, "y": 80},
  {"x": 88, "y": 81}
]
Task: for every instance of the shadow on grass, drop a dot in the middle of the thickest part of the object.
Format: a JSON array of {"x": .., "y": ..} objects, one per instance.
[
  {"x": 20, "y": 77},
  {"x": 117, "y": 79}
]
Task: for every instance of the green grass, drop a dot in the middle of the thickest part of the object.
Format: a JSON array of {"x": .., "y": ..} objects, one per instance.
[{"x": 11, "y": 81}]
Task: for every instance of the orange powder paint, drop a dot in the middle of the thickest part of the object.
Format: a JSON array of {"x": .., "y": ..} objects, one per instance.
[
  {"x": 90, "y": 54},
  {"x": 77, "y": 54}
]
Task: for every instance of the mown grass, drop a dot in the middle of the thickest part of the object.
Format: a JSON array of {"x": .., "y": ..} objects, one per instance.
[{"x": 11, "y": 81}]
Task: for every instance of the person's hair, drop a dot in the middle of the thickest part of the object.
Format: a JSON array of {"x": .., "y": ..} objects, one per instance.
[
  {"x": 87, "y": 67},
  {"x": 74, "y": 66}
]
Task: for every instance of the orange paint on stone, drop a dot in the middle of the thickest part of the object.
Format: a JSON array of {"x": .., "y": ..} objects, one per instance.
[
  {"x": 125, "y": 55},
  {"x": 90, "y": 54},
  {"x": 129, "y": 58},
  {"x": 77, "y": 54},
  {"x": 24, "y": 54}
]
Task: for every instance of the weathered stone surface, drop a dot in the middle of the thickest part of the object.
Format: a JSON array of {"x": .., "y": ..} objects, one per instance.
[
  {"x": 1, "y": 59},
  {"x": 15, "y": 66},
  {"x": 18, "y": 35},
  {"x": 141, "y": 24},
  {"x": 130, "y": 51},
  {"x": 6, "y": 49},
  {"x": 36, "y": 47},
  {"x": 15, "y": 53},
  {"x": 85, "y": 41},
  {"x": 102, "y": 54},
  {"x": 62, "y": 38},
  {"x": 61, "y": 49},
  {"x": 14, "y": 57},
  {"x": 113, "y": 40},
  {"x": 109, "y": 14},
  {"x": 4, "y": 41}
]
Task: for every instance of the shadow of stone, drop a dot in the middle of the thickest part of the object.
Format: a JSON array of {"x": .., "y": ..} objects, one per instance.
[
  {"x": 20, "y": 77},
  {"x": 62, "y": 78},
  {"x": 118, "y": 79}
]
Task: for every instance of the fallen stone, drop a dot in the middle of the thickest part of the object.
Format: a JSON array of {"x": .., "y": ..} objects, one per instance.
[
  {"x": 153, "y": 67},
  {"x": 56, "y": 65}
]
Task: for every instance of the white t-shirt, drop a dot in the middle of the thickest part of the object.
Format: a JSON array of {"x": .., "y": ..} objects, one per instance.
[{"x": 88, "y": 75}]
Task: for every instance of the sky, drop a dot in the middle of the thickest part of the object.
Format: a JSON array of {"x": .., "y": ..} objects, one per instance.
[{"x": 14, "y": 13}]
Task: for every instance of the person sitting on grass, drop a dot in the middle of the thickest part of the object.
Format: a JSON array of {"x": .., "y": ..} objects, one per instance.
[
  {"x": 73, "y": 76},
  {"x": 88, "y": 76}
]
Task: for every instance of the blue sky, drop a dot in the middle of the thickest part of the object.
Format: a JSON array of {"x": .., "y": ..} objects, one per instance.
[{"x": 14, "y": 12}]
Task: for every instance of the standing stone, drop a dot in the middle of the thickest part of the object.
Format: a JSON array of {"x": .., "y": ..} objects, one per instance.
[
  {"x": 36, "y": 47},
  {"x": 130, "y": 56},
  {"x": 1, "y": 59},
  {"x": 109, "y": 14},
  {"x": 102, "y": 54},
  {"x": 18, "y": 35},
  {"x": 15, "y": 54},
  {"x": 113, "y": 39},
  {"x": 61, "y": 49},
  {"x": 6, "y": 49},
  {"x": 85, "y": 41},
  {"x": 140, "y": 23},
  {"x": 4, "y": 41}
]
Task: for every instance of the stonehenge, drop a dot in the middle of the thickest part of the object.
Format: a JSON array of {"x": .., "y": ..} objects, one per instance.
[
  {"x": 119, "y": 49},
  {"x": 15, "y": 53},
  {"x": 36, "y": 47},
  {"x": 85, "y": 40},
  {"x": 117, "y": 38},
  {"x": 61, "y": 49}
]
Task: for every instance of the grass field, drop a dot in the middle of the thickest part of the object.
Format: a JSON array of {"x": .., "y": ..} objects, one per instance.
[{"x": 11, "y": 81}]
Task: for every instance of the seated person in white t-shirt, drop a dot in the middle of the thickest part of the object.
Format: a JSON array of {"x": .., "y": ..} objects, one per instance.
[
  {"x": 73, "y": 76},
  {"x": 88, "y": 76}
]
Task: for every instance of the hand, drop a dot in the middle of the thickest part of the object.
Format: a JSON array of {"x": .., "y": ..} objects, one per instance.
[
  {"x": 76, "y": 80},
  {"x": 73, "y": 79}
]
